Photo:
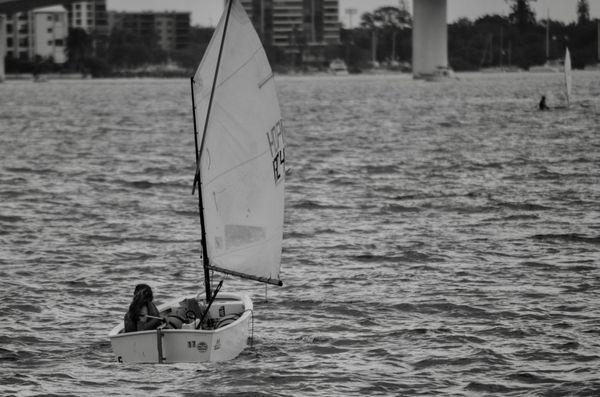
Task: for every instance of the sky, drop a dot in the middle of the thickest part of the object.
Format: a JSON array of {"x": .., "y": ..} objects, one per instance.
[{"x": 207, "y": 12}]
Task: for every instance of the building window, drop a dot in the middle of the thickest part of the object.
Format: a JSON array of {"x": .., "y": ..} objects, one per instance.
[
  {"x": 9, "y": 42},
  {"x": 49, "y": 42},
  {"x": 90, "y": 22},
  {"x": 49, "y": 18},
  {"x": 9, "y": 28},
  {"x": 23, "y": 55},
  {"x": 78, "y": 22},
  {"x": 78, "y": 6},
  {"x": 9, "y": 54},
  {"x": 49, "y": 30},
  {"x": 59, "y": 42},
  {"x": 23, "y": 42}
]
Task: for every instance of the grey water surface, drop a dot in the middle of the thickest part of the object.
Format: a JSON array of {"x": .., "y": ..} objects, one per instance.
[{"x": 440, "y": 239}]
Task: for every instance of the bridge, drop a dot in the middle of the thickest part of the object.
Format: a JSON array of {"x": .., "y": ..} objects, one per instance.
[
  {"x": 430, "y": 37},
  {"x": 12, "y": 6}
]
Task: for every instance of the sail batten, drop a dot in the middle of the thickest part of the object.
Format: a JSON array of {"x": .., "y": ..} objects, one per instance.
[{"x": 241, "y": 158}]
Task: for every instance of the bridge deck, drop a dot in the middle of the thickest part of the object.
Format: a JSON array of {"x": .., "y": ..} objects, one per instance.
[{"x": 12, "y": 6}]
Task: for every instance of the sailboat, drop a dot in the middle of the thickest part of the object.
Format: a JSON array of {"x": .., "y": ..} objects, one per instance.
[
  {"x": 240, "y": 172},
  {"x": 568, "y": 77}
]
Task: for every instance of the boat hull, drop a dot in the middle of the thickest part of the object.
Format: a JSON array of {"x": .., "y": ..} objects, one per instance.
[{"x": 188, "y": 345}]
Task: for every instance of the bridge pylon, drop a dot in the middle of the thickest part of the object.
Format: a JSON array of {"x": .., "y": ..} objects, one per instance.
[{"x": 430, "y": 39}]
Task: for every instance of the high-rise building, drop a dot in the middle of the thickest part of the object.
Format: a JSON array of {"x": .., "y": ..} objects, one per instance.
[
  {"x": 50, "y": 32},
  {"x": 289, "y": 23},
  {"x": 89, "y": 15},
  {"x": 19, "y": 28},
  {"x": 172, "y": 29},
  {"x": 41, "y": 32}
]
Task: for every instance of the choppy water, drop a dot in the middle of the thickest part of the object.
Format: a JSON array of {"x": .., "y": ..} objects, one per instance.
[{"x": 440, "y": 239}]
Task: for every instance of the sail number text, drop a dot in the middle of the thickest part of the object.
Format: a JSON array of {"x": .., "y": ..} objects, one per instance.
[{"x": 277, "y": 146}]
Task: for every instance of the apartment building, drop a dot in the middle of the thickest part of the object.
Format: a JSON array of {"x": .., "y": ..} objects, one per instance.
[
  {"x": 288, "y": 23},
  {"x": 90, "y": 16},
  {"x": 42, "y": 32},
  {"x": 171, "y": 28}
]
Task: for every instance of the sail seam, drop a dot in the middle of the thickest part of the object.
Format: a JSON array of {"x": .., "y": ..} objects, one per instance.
[
  {"x": 262, "y": 242},
  {"x": 236, "y": 167}
]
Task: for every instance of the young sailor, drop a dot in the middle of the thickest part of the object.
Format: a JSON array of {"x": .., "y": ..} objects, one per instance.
[
  {"x": 142, "y": 314},
  {"x": 542, "y": 104}
]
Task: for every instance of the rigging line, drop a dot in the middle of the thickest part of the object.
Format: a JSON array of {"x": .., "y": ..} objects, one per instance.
[
  {"x": 232, "y": 74},
  {"x": 205, "y": 259},
  {"x": 266, "y": 80}
]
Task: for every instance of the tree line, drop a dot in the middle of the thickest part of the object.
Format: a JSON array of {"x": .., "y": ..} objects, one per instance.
[
  {"x": 117, "y": 54},
  {"x": 518, "y": 39},
  {"x": 384, "y": 37}
]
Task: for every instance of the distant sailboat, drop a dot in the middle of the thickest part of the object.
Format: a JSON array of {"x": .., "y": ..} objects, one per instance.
[
  {"x": 568, "y": 77},
  {"x": 239, "y": 178}
]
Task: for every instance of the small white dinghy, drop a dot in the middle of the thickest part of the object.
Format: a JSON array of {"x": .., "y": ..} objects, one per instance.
[
  {"x": 240, "y": 159},
  {"x": 189, "y": 344}
]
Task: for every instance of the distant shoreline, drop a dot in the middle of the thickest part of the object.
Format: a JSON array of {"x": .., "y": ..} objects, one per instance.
[{"x": 179, "y": 75}]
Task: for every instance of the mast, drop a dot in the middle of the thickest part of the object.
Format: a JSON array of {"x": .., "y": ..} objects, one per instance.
[
  {"x": 548, "y": 37},
  {"x": 262, "y": 21},
  {"x": 501, "y": 47},
  {"x": 197, "y": 180}
]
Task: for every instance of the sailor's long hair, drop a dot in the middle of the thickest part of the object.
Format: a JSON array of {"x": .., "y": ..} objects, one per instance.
[{"x": 142, "y": 296}]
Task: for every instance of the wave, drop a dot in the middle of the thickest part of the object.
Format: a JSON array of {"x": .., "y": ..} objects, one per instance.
[
  {"x": 311, "y": 204},
  {"x": 567, "y": 237},
  {"x": 407, "y": 257},
  {"x": 480, "y": 387},
  {"x": 11, "y": 218},
  {"x": 381, "y": 169},
  {"x": 523, "y": 206},
  {"x": 396, "y": 208}
]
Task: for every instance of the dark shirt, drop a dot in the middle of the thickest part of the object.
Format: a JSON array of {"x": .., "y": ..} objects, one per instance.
[{"x": 141, "y": 325}]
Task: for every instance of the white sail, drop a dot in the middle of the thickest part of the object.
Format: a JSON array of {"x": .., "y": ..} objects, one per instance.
[
  {"x": 241, "y": 153},
  {"x": 568, "y": 76}
]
